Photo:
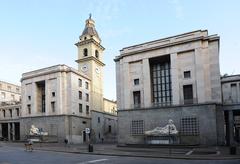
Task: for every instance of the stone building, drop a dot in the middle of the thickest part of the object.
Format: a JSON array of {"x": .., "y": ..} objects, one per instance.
[
  {"x": 10, "y": 111},
  {"x": 9, "y": 92},
  {"x": 231, "y": 106},
  {"x": 64, "y": 102},
  {"x": 174, "y": 78}
]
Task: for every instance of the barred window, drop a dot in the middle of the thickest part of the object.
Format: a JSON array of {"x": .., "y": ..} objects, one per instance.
[
  {"x": 137, "y": 127},
  {"x": 190, "y": 126}
]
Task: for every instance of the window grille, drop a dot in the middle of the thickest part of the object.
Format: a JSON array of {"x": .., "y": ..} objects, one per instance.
[{"x": 189, "y": 126}]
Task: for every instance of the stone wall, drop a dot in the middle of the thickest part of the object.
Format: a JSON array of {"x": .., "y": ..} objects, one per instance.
[
  {"x": 209, "y": 116},
  {"x": 61, "y": 126}
]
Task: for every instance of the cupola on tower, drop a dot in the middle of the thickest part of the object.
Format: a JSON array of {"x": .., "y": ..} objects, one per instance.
[{"x": 90, "y": 61}]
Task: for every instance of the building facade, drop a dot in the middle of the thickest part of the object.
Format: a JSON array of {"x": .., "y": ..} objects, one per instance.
[
  {"x": 231, "y": 106},
  {"x": 174, "y": 78},
  {"x": 9, "y": 92},
  {"x": 10, "y": 111},
  {"x": 64, "y": 102}
]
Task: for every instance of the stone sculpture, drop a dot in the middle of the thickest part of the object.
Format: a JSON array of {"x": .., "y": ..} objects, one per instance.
[
  {"x": 170, "y": 128},
  {"x": 35, "y": 131}
]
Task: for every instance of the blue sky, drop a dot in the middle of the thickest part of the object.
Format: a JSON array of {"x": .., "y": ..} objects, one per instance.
[{"x": 40, "y": 33}]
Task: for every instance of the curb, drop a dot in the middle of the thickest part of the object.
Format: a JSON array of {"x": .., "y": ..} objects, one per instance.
[{"x": 149, "y": 156}]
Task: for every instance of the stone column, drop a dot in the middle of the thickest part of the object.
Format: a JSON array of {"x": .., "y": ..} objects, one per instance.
[
  {"x": 13, "y": 131},
  {"x": 0, "y": 130},
  {"x": 175, "y": 80},
  {"x": 9, "y": 132},
  {"x": 128, "y": 100},
  {"x": 34, "y": 104},
  {"x": 146, "y": 83},
  {"x": 230, "y": 127}
]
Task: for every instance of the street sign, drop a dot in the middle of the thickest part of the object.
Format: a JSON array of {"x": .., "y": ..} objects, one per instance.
[{"x": 87, "y": 130}]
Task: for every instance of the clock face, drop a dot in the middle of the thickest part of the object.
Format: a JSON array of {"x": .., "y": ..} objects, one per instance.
[
  {"x": 84, "y": 68},
  {"x": 97, "y": 70}
]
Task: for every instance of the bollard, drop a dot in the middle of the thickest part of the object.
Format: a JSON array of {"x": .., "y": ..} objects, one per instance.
[{"x": 90, "y": 148}]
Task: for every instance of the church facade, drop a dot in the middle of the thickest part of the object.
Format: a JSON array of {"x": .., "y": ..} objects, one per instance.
[{"x": 64, "y": 101}]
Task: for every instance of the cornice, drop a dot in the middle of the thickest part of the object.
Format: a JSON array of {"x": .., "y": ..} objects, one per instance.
[
  {"x": 90, "y": 41},
  {"x": 90, "y": 58}
]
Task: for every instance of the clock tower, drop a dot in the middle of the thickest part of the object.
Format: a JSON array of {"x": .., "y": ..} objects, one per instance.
[{"x": 90, "y": 62}]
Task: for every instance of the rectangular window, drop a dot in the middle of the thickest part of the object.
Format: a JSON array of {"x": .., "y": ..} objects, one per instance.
[
  {"x": 136, "y": 81},
  {"x": 80, "y": 108},
  {"x": 188, "y": 94},
  {"x": 80, "y": 82},
  {"x": 161, "y": 81},
  {"x": 87, "y": 97},
  {"x": 13, "y": 97},
  {"x": 29, "y": 108},
  {"x": 137, "y": 99},
  {"x": 87, "y": 109},
  {"x": 189, "y": 126},
  {"x": 80, "y": 95},
  {"x": 137, "y": 127},
  {"x": 187, "y": 74},
  {"x": 29, "y": 97},
  {"x": 86, "y": 85},
  {"x": 4, "y": 113},
  {"x": 109, "y": 129},
  {"x": 234, "y": 97},
  {"x": 17, "y": 111},
  {"x": 53, "y": 94},
  {"x": 98, "y": 119},
  {"x": 10, "y": 111},
  {"x": 53, "y": 106},
  {"x": 3, "y": 95}
]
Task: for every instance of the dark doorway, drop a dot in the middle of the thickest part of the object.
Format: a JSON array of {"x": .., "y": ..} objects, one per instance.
[
  {"x": 17, "y": 130},
  {"x": 5, "y": 130},
  {"x": 84, "y": 136}
]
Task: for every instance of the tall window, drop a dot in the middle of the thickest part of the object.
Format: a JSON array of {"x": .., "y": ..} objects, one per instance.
[
  {"x": 87, "y": 109},
  {"x": 29, "y": 108},
  {"x": 188, "y": 94},
  {"x": 17, "y": 111},
  {"x": 53, "y": 106},
  {"x": 3, "y": 95},
  {"x": 10, "y": 111},
  {"x": 80, "y": 95},
  {"x": 96, "y": 54},
  {"x": 234, "y": 96},
  {"x": 161, "y": 81},
  {"x": 137, "y": 99},
  {"x": 80, "y": 82},
  {"x": 85, "y": 52},
  {"x": 4, "y": 113},
  {"x": 87, "y": 97},
  {"x": 80, "y": 108},
  {"x": 86, "y": 85}
]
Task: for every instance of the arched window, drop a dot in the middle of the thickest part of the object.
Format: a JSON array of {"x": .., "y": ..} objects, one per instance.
[
  {"x": 85, "y": 52},
  {"x": 96, "y": 54}
]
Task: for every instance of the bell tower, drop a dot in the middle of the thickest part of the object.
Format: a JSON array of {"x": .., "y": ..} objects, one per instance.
[{"x": 90, "y": 62}]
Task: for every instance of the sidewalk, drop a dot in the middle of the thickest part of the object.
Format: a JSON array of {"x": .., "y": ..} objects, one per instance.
[{"x": 200, "y": 153}]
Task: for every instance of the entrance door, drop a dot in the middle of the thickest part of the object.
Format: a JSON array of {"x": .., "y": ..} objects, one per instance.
[
  {"x": 17, "y": 130},
  {"x": 5, "y": 130}
]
